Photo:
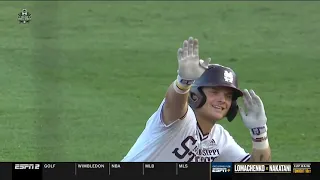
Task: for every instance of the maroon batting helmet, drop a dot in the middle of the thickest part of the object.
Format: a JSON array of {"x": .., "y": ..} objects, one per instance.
[{"x": 216, "y": 76}]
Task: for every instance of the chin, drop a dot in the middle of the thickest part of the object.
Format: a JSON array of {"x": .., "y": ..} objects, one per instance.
[{"x": 217, "y": 116}]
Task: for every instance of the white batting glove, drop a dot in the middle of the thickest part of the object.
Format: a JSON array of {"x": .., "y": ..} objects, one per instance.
[
  {"x": 191, "y": 67},
  {"x": 255, "y": 119}
]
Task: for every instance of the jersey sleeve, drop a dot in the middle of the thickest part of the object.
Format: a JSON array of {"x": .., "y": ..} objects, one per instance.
[
  {"x": 157, "y": 141},
  {"x": 156, "y": 119},
  {"x": 232, "y": 151}
]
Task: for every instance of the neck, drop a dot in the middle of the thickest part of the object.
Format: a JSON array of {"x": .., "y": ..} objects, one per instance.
[{"x": 205, "y": 124}]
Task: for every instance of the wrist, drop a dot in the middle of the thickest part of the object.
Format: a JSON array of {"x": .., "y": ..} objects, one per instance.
[
  {"x": 182, "y": 86},
  {"x": 260, "y": 143},
  {"x": 259, "y": 137}
]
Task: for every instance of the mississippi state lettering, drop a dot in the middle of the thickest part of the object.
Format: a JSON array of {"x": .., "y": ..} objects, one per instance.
[
  {"x": 185, "y": 147},
  {"x": 193, "y": 153}
]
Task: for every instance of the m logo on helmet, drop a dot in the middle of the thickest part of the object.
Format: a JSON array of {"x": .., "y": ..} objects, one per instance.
[{"x": 228, "y": 77}]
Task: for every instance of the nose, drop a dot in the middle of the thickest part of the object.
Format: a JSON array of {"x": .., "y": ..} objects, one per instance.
[{"x": 221, "y": 97}]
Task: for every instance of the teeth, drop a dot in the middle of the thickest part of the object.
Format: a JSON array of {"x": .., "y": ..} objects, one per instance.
[{"x": 217, "y": 107}]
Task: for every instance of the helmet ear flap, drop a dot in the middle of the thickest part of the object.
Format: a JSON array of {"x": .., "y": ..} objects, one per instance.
[
  {"x": 197, "y": 98},
  {"x": 232, "y": 113}
]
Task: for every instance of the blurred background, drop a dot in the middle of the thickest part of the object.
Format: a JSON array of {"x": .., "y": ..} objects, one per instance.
[{"x": 79, "y": 81}]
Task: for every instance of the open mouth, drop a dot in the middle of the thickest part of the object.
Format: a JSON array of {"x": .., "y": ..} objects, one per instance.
[{"x": 220, "y": 108}]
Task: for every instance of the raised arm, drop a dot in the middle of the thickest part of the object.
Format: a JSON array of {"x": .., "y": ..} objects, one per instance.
[
  {"x": 255, "y": 120},
  {"x": 190, "y": 68}
]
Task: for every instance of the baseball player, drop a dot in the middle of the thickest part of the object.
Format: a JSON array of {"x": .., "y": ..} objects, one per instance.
[{"x": 184, "y": 128}]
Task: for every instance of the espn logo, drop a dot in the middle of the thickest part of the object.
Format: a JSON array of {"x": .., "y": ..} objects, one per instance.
[
  {"x": 220, "y": 170},
  {"x": 27, "y": 166}
]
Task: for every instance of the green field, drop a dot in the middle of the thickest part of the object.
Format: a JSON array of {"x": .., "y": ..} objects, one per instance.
[{"x": 79, "y": 82}]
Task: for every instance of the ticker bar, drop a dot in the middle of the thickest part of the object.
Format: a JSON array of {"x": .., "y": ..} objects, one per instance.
[
  {"x": 5, "y": 171},
  {"x": 301, "y": 168},
  {"x": 26, "y": 170},
  {"x": 54, "y": 171},
  {"x": 195, "y": 170},
  {"x": 160, "y": 170},
  {"x": 262, "y": 168},
  {"x": 118, "y": 170},
  {"x": 315, "y": 168},
  {"x": 220, "y": 170},
  {"x": 131, "y": 169},
  {"x": 86, "y": 171}
]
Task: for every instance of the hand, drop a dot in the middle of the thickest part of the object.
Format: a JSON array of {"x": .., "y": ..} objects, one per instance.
[
  {"x": 191, "y": 67},
  {"x": 255, "y": 118}
]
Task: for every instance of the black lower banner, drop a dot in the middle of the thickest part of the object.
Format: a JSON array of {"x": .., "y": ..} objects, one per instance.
[
  {"x": 261, "y": 171},
  {"x": 118, "y": 170}
]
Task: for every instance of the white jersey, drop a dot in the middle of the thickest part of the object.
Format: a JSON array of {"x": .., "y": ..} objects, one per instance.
[{"x": 183, "y": 141}]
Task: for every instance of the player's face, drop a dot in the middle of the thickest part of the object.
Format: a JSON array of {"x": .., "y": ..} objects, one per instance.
[{"x": 218, "y": 102}]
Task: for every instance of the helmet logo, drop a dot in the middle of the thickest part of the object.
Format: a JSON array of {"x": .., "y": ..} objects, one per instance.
[
  {"x": 194, "y": 97},
  {"x": 228, "y": 77}
]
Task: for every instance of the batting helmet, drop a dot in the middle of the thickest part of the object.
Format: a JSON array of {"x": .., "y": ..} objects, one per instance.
[{"x": 215, "y": 76}]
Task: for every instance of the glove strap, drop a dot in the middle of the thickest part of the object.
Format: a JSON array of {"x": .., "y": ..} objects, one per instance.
[
  {"x": 182, "y": 86},
  {"x": 259, "y": 137},
  {"x": 258, "y": 131}
]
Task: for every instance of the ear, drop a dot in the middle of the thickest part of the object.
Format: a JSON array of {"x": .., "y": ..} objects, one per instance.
[{"x": 196, "y": 97}]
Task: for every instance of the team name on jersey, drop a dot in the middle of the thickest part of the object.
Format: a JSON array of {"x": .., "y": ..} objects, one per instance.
[{"x": 192, "y": 153}]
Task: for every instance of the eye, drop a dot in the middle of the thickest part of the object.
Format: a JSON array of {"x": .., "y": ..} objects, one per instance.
[
  {"x": 229, "y": 96},
  {"x": 214, "y": 92}
]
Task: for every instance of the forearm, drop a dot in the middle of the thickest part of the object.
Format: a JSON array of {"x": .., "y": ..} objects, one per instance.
[{"x": 176, "y": 101}]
